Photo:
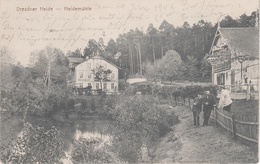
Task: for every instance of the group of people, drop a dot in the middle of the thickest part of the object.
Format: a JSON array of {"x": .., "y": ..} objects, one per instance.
[{"x": 206, "y": 102}]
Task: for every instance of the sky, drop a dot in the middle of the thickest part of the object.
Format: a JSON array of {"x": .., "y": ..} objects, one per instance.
[{"x": 31, "y": 25}]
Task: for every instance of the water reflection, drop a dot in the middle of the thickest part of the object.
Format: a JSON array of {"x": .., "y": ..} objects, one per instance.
[
  {"x": 90, "y": 135},
  {"x": 91, "y": 129},
  {"x": 69, "y": 129},
  {"x": 85, "y": 129}
]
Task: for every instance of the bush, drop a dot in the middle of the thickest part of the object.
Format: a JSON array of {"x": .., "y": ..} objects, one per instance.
[
  {"x": 166, "y": 123},
  {"x": 84, "y": 105},
  {"x": 138, "y": 121},
  {"x": 92, "y": 151},
  {"x": 35, "y": 145}
]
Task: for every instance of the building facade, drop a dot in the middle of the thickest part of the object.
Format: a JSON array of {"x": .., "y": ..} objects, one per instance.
[
  {"x": 234, "y": 56},
  {"x": 83, "y": 75}
]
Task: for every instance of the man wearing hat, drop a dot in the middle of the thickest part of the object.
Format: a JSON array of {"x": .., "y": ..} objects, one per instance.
[{"x": 208, "y": 105}]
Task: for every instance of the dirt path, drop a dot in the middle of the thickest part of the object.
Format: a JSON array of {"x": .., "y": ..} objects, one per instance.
[{"x": 207, "y": 144}]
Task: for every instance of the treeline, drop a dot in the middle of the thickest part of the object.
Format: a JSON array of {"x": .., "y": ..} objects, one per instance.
[
  {"x": 34, "y": 91},
  {"x": 191, "y": 42}
]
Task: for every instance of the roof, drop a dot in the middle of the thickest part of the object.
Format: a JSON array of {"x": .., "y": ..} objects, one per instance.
[
  {"x": 76, "y": 60},
  {"x": 243, "y": 40},
  {"x": 101, "y": 58}
]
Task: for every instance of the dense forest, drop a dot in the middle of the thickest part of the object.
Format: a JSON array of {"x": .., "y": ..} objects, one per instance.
[{"x": 191, "y": 42}]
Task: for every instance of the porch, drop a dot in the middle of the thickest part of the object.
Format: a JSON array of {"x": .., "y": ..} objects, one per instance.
[{"x": 243, "y": 91}]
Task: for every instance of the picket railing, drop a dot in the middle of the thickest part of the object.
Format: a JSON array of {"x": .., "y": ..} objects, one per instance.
[
  {"x": 244, "y": 126},
  {"x": 247, "y": 91}
]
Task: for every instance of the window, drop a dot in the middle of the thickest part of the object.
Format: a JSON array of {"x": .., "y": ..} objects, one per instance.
[
  {"x": 89, "y": 76},
  {"x": 89, "y": 84},
  {"x": 112, "y": 76},
  {"x": 112, "y": 86},
  {"x": 105, "y": 85},
  {"x": 88, "y": 65},
  {"x": 80, "y": 75},
  {"x": 97, "y": 85}
]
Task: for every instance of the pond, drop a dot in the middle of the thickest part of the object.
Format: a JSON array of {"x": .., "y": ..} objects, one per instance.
[{"x": 70, "y": 130}]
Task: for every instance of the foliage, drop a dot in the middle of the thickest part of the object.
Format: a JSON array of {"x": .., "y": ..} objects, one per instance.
[
  {"x": 101, "y": 74},
  {"x": 166, "y": 92},
  {"x": 138, "y": 121},
  {"x": 169, "y": 67},
  {"x": 192, "y": 70},
  {"x": 75, "y": 54},
  {"x": 189, "y": 41},
  {"x": 29, "y": 93},
  {"x": 35, "y": 145},
  {"x": 111, "y": 47},
  {"x": 100, "y": 105},
  {"x": 92, "y": 151},
  {"x": 150, "y": 70},
  {"x": 58, "y": 65},
  {"x": 243, "y": 21},
  {"x": 7, "y": 64},
  {"x": 94, "y": 48}
]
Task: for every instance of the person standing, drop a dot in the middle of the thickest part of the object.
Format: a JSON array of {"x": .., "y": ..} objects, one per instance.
[
  {"x": 208, "y": 106},
  {"x": 196, "y": 109},
  {"x": 225, "y": 101}
]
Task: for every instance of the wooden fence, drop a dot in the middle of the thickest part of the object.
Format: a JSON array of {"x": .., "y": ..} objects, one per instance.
[{"x": 240, "y": 125}]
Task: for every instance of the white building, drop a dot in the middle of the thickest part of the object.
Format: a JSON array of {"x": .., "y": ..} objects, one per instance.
[
  {"x": 235, "y": 56},
  {"x": 83, "y": 75}
]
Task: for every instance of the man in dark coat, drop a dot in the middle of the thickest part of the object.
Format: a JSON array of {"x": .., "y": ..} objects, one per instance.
[
  {"x": 208, "y": 104},
  {"x": 196, "y": 109}
]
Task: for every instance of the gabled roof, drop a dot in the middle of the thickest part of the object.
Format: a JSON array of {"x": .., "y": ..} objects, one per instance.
[
  {"x": 76, "y": 60},
  {"x": 242, "y": 40},
  {"x": 101, "y": 58}
]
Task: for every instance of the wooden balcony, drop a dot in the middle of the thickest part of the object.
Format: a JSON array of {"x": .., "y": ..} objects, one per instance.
[{"x": 222, "y": 67}]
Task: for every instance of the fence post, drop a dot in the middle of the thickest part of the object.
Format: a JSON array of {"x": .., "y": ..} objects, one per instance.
[
  {"x": 216, "y": 116},
  {"x": 234, "y": 126}
]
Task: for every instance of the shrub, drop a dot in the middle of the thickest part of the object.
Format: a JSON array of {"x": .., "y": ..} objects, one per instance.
[
  {"x": 138, "y": 121},
  {"x": 92, "y": 151},
  {"x": 35, "y": 145},
  {"x": 84, "y": 105},
  {"x": 70, "y": 103}
]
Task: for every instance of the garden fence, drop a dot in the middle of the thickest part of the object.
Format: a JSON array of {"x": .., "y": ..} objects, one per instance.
[{"x": 244, "y": 126}]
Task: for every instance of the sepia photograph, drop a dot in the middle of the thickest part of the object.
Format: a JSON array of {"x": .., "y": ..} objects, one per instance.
[{"x": 128, "y": 81}]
